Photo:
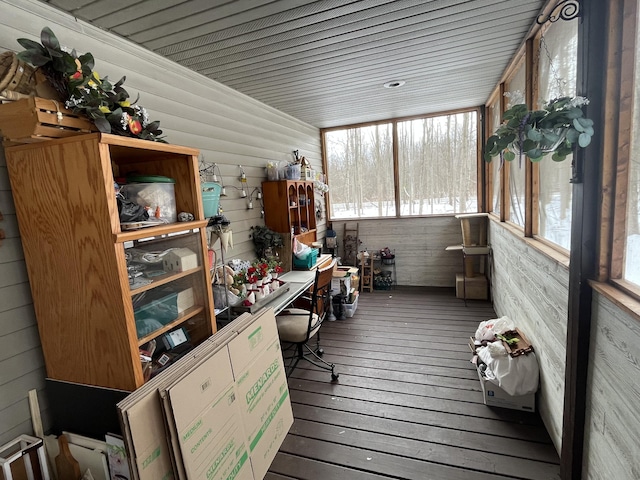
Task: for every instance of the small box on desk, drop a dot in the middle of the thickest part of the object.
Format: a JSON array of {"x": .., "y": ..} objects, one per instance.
[{"x": 474, "y": 288}]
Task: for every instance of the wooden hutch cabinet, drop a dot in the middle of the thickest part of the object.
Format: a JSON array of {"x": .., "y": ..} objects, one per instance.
[
  {"x": 76, "y": 254},
  {"x": 289, "y": 209}
]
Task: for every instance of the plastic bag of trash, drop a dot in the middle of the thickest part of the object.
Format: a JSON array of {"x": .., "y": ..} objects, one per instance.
[
  {"x": 515, "y": 375},
  {"x": 488, "y": 329}
]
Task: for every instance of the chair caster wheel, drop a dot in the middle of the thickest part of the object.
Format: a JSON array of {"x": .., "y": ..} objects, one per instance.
[
  {"x": 334, "y": 376},
  {"x": 320, "y": 352}
]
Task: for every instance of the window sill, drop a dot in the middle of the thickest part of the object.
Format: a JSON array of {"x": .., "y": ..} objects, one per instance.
[{"x": 619, "y": 298}]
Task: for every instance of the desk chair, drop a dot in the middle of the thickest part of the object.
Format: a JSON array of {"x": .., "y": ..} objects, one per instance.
[{"x": 298, "y": 326}]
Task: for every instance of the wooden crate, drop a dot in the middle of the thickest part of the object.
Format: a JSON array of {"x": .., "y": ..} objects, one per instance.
[{"x": 34, "y": 119}]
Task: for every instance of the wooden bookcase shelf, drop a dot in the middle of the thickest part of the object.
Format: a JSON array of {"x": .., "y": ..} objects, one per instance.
[
  {"x": 289, "y": 209},
  {"x": 76, "y": 252}
]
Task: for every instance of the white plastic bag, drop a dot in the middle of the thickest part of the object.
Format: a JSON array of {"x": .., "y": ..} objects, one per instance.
[
  {"x": 515, "y": 375},
  {"x": 488, "y": 329},
  {"x": 300, "y": 250}
]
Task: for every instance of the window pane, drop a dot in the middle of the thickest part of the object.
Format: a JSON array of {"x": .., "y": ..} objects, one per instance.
[
  {"x": 360, "y": 172},
  {"x": 557, "y": 75},
  {"x": 438, "y": 165},
  {"x": 632, "y": 248},
  {"x": 517, "y": 94},
  {"x": 495, "y": 163}
]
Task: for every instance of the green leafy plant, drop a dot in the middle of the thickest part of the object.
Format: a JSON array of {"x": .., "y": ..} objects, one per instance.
[
  {"x": 508, "y": 339},
  {"x": 82, "y": 89},
  {"x": 557, "y": 128},
  {"x": 264, "y": 239}
]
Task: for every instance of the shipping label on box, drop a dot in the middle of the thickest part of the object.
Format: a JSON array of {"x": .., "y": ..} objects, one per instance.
[
  {"x": 208, "y": 421},
  {"x": 262, "y": 389}
]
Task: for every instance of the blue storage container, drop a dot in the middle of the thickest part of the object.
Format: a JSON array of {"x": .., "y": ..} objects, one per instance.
[
  {"x": 307, "y": 262},
  {"x": 156, "y": 314},
  {"x": 211, "y": 198}
]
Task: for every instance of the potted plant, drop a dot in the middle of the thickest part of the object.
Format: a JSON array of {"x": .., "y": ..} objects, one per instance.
[
  {"x": 265, "y": 239},
  {"x": 557, "y": 128},
  {"x": 83, "y": 90}
]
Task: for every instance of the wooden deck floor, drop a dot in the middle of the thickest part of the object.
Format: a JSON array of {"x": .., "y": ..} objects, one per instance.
[{"x": 408, "y": 403}]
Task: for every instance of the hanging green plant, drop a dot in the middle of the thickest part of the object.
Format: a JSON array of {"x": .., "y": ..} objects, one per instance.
[{"x": 556, "y": 129}]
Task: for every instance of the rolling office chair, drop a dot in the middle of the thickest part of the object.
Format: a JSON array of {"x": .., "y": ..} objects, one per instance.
[{"x": 298, "y": 326}]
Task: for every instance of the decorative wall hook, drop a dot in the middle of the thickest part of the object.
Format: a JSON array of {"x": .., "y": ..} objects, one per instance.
[{"x": 564, "y": 10}]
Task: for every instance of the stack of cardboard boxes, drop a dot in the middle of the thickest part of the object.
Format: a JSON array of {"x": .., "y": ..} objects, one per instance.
[{"x": 221, "y": 413}]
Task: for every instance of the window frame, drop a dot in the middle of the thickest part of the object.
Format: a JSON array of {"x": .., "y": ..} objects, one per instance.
[
  {"x": 617, "y": 169},
  {"x": 527, "y": 55},
  {"x": 395, "y": 160}
]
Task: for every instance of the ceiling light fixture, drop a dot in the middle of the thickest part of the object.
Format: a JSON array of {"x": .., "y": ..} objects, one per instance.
[{"x": 394, "y": 84}]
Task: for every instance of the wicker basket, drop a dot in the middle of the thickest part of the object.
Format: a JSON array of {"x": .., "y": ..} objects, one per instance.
[
  {"x": 16, "y": 75},
  {"x": 36, "y": 119}
]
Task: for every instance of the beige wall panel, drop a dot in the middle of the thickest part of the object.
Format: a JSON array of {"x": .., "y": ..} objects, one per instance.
[
  {"x": 13, "y": 273},
  {"x": 532, "y": 289},
  {"x": 28, "y": 381},
  {"x": 17, "y": 319},
  {"x": 18, "y": 342},
  {"x": 612, "y": 425},
  {"x": 15, "y": 419},
  {"x": 18, "y": 365}
]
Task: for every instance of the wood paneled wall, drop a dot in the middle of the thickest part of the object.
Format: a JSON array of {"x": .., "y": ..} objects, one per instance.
[
  {"x": 419, "y": 245},
  {"x": 612, "y": 423},
  {"x": 229, "y": 128},
  {"x": 532, "y": 289}
]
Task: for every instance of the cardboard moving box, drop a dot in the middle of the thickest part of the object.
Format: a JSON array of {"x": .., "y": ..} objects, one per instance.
[
  {"x": 224, "y": 408},
  {"x": 494, "y": 396},
  {"x": 475, "y": 288},
  {"x": 261, "y": 386}
]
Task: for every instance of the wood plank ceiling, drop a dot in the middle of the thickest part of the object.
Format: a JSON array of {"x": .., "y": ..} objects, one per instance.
[{"x": 325, "y": 62}]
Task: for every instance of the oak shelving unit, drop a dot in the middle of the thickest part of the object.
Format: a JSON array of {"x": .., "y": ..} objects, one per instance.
[
  {"x": 289, "y": 209},
  {"x": 75, "y": 252}
]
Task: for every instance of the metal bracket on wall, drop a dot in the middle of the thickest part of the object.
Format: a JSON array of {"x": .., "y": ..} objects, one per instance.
[{"x": 566, "y": 10}]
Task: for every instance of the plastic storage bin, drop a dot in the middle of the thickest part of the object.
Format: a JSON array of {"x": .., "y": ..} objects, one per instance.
[
  {"x": 165, "y": 308},
  {"x": 211, "y": 198},
  {"x": 292, "y": 172},
  {"x": 307, "y": 262},
  {"x": 153, "y": 191},
  {"x": 273, "y": 173},
  {"x": 350, "y": 308},
  {"x": 155, "y": 314}
]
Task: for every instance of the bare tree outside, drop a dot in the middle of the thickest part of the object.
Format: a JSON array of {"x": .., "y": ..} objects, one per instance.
[
  {"x": 360, "y": 171},
  {"x": 437, "y": 164},
  {"x": 437, "y": 158}
]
